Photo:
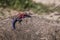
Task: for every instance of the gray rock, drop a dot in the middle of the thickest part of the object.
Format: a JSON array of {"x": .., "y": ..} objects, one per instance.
[{"x": 35, "y": 28}]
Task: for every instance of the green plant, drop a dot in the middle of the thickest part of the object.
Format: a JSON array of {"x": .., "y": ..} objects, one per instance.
[{"x": 24, "y": 4}]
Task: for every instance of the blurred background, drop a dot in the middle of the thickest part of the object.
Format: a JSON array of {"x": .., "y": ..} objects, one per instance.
[{"x": 44, "y": 25}]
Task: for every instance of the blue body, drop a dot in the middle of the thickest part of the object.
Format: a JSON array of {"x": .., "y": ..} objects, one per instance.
[
  {"x": 13, "y": 23},
  {"x": 18, "y": 19}
]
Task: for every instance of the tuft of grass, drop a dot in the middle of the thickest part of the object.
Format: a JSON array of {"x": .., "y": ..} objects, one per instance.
[
  {"x": 57, "y": 9},
  {"x": 41, "y": 8},
  {"x": 27, "y": 4}
]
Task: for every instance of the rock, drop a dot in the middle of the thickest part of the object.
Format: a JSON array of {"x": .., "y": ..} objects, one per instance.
[{"x": 36, "y": 28}]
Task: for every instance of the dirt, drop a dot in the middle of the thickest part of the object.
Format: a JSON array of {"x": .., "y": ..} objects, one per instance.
[
  {"x": 48, "y": 2},
  {"x": 37, "y": 27}
]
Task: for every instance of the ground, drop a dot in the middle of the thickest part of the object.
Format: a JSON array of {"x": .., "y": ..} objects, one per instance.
[{"x": 35, "y": 28}]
